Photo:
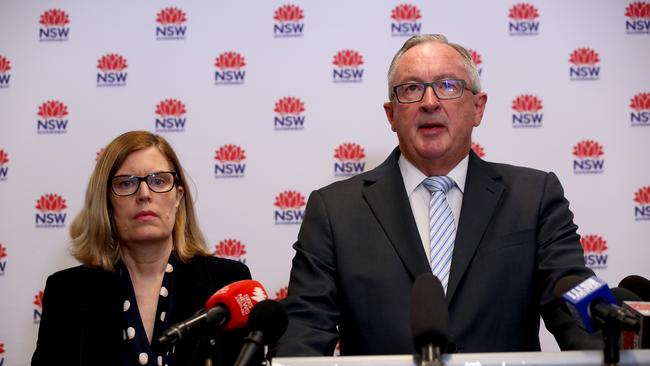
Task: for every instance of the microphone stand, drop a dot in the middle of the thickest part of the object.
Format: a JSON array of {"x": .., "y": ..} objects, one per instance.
[{"x": 430, "y": 356}]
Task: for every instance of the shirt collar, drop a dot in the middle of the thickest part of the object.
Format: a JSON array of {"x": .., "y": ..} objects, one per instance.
[{"x": 413, "y": 176}]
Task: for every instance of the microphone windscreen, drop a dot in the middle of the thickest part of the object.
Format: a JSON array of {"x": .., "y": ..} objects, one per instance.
[
  {"x": 270, "y": 317},
  {"x": 565, "y": 284},
  {"x": 429, "y": 312},
  {"x": 637, "y": 284},
  {"x": 622, "y": 294}
]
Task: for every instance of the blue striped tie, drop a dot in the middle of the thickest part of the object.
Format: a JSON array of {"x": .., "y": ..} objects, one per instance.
[{"x": 442, "y": 230}]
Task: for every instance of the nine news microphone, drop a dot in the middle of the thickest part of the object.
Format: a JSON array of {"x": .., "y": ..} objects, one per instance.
[
  {"x": 227, "y": 309},
  {"x": 429, "y": 319},
  {"x": 639, "y": 306},
  {"x": 637, "y": 284},
  {"x": 267, "y": 322}
]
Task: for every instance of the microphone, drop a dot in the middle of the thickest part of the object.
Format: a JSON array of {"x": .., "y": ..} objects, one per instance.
[
  {"x": 226, "y": 309},
  {"x": 639, "y": 309},
  {"x": 267, "y": 322},
  {"x": 637, "y": 284},
  {"x": 429, "y": 319}
]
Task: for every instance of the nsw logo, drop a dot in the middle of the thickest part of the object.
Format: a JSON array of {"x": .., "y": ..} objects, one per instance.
[
  {"x": 281, "y": 293},
  {"x": 231, "y": 249},
  {"x": 347, "y": 67},
  {"x": 170, "y": 24},
  {"x": 52, "y": 119},
  {"x": 38, "y": 306},
  {"x": 289, "y": 208},
  {"x": 478, "y": 149},
  {"x": 5, "y": 76},
  {"x": 585, "y": 64},
  {"x": 112, "y": 70},
  {"x": 54, "y": 25},
  {"x": 3, "y": 259},
  {"x": 170, "y": 116},
  {"x": 588, "y": 153},
  {"x": 290, "y": 114},
  {"x": 638, "y": 18},
  {"x": 527, "y": 108},
  {"x": 230, "y": 68},
  {"x": 405, "y": 21},
  {"x": 349, "y": 156},
  {"x": 523, "y": 22},
  {"x": 4, "y": 170},
  {"x": 642, "y": 198},
  {"x": 230, "y": 162},
  {"x": 595, "y": 251},
  {"x": 476, "y": 58},
  {"x": 640, "y": 104},
  {"x": 288, "y": 21},
  {"x": 51, "y": 208}
]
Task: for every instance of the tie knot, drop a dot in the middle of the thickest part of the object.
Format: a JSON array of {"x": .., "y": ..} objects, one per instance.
[{"x": 438, "y": 183}]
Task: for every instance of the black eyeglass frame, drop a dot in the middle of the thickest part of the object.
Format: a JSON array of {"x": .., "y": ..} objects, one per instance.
[
  {"x": 433, "y": 86},
  {"x": 145, "y": 180}
]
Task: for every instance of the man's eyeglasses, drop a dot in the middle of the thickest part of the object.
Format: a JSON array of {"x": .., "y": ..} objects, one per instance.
[
  {"x": 159, "y": 182},
  {"x": 443, "y": 89}
]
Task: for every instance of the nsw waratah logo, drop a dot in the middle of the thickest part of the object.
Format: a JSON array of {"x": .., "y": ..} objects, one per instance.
[
  {"x": 51, "y": 206},
  {"x": 349, "y": 160},
  {"x": 638, "y": 18},
  {"x": 523, "y": 20},
  {"x": 52, "y": 117},
  {"x": 4, "y": 169},
  {"x": 281, "y": 293},
  {"x": 54, "y": 25},
  {"x": 642, "y": 198},
  {"x": 3, "y": 260},
  {"x": 112, "y": 70},
  {"x": 171, "y": 116},
  {"x": 595, "y": 251},
  {"x": 289, "y": 208},
  {"x": 478, "y": 149},
  {"x": 588, "y": 157},
  {"x": 476, "y": 58},
  {"x": 289, "y": 114},
  {"x": 347, "y": 67},
  {"x": 405, "y": 20},
  {"x": 288, "y": 21},
  {"x": 2, "y": 350},
  {"x": 5, "y": 76},
  {"x": 171, "y": 24},
  {"x": 528, "y": 113},
  {"x": 585, "y": 64},
  {"x": 640, "y": 115},
  {"x": 230, "y": 162},
  {"x": 231, "y": 249},
  {"x": 230, "y": 68},
  {"x": 38, "y": 306}
]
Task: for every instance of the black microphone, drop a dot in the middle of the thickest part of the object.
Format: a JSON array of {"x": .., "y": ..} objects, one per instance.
[
  {"x": 622, "y": 294},
  {"x": 429, "y": 319},
  {"x": 267, "y": 322},
  {"x": 216, "y": 316},
  {"x": 637, "y": 284}
]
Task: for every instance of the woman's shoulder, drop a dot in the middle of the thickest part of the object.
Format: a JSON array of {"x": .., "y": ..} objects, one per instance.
[
  {"x": 223, "y": 267},
  {"x": 78, "y": 274}
]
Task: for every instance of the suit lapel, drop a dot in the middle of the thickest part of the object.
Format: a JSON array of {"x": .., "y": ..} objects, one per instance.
[
  {"x": 480, "y": 199},
  {"x": 385, "y": 194}
]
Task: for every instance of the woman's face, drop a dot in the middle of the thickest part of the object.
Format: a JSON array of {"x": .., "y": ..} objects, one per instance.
[{"x": 146, "y": 216}]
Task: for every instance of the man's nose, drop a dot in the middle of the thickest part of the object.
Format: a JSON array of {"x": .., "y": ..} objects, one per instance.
[{"x": 429, "y": 100}]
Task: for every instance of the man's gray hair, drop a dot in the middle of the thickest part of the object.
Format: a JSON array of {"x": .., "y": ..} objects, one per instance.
[{"x": 472, "y": 71}]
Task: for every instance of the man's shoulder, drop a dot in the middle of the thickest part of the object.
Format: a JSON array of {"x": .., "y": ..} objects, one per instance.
[{"x": 510, "y": 172}]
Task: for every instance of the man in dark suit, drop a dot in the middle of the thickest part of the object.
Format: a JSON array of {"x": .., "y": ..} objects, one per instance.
[{"x": 363, "y": 241}]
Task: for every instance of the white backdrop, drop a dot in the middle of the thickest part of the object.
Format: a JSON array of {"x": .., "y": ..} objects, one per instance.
[{"x": 291, "y": 86}]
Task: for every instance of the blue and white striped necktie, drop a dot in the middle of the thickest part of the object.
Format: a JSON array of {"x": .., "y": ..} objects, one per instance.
[{"x": 442, "y": 229}]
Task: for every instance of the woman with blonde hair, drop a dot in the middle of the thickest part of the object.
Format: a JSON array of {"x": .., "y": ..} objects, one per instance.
[{"x": 144, "y": 267}]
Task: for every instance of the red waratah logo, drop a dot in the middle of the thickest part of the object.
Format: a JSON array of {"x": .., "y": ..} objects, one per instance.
[
  {"x": 5, "y": 64},
  {"x": 282, "y": 293},
  {"x": 349, "y": 151},
  {"x": 230, "y": 153},
  {"x": 289, "y": 199},
  {"x": 348, "y": 58},
  {"x": 405, "y": 13},
  {"x": 523, "y": 12},
  {"x": 38, "y": 299},
  {"x": 476, "y": 57},
  {"x": 584, "y": 56},
  {"x": 638, "y": 10},
  {"x": 588, "y": 149},
  {"x": 289, "y": 105},
  {"x": 112, "y": 62},
  {"x": 593, "y": 244},
  {"x": 640, "y": 102},
  {"x": 171, "y": 16},
  {"x": 53, "y": 109},
  {"x": 3, "y": 251},
  {"x": 642, "y": 196},
  {"x": 170, "y": 108},
  {"x": 4, "y": 158},
  {"x": 527, "y": 103},
  {"x": 288, "y": 13},
  {"x": 54, "y": 18},
  {"x": 2, "y": 348},
  {"x": 231, "y": 248},
  {"x": 230, "y": 60},
  {"x": 478, "y": 149},
  {"x": 51, "y": 202}
]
